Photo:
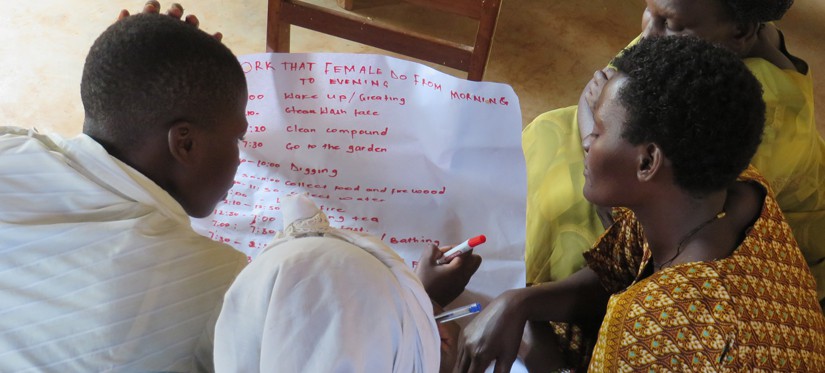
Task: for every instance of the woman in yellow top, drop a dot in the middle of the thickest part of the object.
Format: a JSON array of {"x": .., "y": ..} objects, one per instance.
[
  {"x": 699, "y": 271},
  {"x": 561, "y": 224}
]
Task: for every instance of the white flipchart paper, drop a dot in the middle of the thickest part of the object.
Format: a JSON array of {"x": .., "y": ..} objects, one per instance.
[{"x": 384, "y": 146}]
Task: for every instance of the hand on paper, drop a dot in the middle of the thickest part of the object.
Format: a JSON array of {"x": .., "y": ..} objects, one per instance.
[
  {"x": 175, "y": 10},
  {"x": 587, "y": 101},
  {"x": 494, "y": 334},
  {"x": 445, "y": 282}
]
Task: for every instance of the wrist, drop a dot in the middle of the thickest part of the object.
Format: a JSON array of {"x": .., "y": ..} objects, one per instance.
[
  {"x": 518, "y": 301},
  {"x": 534, "y": 301}
]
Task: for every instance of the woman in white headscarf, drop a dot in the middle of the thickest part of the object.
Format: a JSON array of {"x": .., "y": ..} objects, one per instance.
[{"x": 320, "y": 299}]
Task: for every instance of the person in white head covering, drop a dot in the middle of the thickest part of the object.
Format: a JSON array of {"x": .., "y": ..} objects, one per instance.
[{"x": 320, "y": 299}]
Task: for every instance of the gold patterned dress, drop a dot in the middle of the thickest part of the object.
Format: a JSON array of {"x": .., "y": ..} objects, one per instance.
[{"x": 755, "y": 310}]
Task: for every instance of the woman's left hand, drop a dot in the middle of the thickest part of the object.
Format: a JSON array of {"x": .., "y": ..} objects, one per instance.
[{"x": 494, "y": 335}]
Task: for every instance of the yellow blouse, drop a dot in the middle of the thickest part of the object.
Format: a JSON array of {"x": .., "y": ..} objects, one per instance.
[{"x": 561, "y": 224}]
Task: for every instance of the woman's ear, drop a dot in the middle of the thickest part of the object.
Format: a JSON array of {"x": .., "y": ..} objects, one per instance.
[
  {"x": 744, "y": 37},
  {"x": 651, "y": 160},
  {"x": 181, "y": 140}
]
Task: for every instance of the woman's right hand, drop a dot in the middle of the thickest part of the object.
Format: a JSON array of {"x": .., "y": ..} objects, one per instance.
[
  {"x": 445, "y": 282},
  {"x": 494, "y": 334},
  {"x": 587, "y": 101}
]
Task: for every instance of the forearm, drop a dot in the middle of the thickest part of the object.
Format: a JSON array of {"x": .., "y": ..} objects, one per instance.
[{"x": 578, "y": 298}]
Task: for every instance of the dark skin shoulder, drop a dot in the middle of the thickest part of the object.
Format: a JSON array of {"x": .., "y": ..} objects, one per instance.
[
  {"x": 770, "y": 45},
  {"x": 746, "y": 200},
  {"x": 743, "y": 206}
]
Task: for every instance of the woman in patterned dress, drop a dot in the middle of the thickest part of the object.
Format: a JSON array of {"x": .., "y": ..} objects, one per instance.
[
  {"x": 561, "y": 223},
  {"x": 699, "y": 270}
]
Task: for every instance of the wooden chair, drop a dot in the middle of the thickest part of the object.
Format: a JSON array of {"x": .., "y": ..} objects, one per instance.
[{"x": 351, "y": 26}]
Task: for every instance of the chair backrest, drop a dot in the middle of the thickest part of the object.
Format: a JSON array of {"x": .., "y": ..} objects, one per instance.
[{"x": 351, "y": 26}]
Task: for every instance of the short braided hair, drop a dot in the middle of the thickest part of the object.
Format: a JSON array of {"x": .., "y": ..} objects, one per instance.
[
  {"x": 698, "y": 102},
  {"x": 150, "y": 70},
  {"x": 757, "y": 11}
]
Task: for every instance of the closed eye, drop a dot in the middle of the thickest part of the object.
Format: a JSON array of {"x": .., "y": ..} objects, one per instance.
[{"x": 592, "y": 136}]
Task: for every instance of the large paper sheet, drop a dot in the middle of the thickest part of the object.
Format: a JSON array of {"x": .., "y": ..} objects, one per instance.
[{"x": 384, "y": 146}]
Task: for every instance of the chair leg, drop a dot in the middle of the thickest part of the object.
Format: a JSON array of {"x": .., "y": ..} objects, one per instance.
[
  {"x": 484, "y": 40},
  {"x": 277, "y": 33},
  {"x": 346, "y": 4}
]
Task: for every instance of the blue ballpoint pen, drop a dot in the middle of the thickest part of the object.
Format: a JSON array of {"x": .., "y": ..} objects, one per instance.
[{"x": 458, "y": 313}]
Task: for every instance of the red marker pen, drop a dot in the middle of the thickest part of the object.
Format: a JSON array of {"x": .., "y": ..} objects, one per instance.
[{"x": 461, "y": 249}]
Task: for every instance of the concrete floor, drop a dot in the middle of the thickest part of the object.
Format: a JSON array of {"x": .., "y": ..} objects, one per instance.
[{"x": 547, "y": 50}]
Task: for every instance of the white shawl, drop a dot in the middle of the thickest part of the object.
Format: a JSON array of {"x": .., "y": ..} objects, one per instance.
[
  {"x": 321, "y": 299},
  {"x": 99, "y": 267}
]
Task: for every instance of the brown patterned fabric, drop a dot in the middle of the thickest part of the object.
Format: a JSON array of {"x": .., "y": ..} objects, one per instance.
[
  {"x": 575, "y": 342},
  {"x": 754, "y": 311}
]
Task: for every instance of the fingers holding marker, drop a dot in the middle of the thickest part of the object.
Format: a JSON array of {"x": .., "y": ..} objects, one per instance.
[{"x": 461, "y": 249}]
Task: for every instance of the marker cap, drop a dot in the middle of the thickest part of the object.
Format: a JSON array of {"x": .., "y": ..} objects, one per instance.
[{"x": 477, "y": 240}]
